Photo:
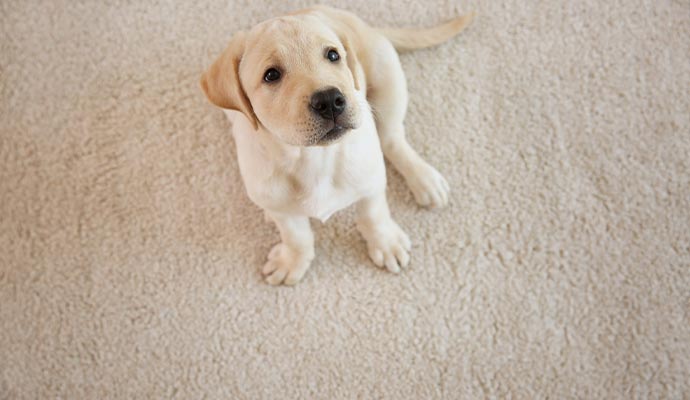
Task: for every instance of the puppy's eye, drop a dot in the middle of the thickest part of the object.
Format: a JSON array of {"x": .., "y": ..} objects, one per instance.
[
  {"x": 333, "y": 55},
  {"x": 271, "y": 75}
]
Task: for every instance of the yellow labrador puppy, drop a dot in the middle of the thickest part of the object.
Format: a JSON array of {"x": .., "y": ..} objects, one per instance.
[{"x": 316, "y": 99}]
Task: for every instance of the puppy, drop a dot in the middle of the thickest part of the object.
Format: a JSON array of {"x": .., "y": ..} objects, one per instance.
[{"x": 316, "y": 99}]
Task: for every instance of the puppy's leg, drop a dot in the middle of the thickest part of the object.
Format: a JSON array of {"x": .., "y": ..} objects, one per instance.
[
  {"x": 389, "y": 100},
  {"x": 388, "y": 245},
  {"x": 290, "y": 259}
]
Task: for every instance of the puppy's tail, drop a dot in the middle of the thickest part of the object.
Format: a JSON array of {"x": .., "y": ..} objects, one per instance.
[{"x": 412, "y": 39}]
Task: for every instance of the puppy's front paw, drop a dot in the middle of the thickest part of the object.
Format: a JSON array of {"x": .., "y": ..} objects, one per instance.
[
  {"x": 428, "y": 186},
  {"x": 388, "y": 246},
  {"x": 285, "y": 265}
]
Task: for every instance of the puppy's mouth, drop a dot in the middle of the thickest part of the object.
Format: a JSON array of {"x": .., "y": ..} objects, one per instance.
[{"x": 336, "y": 131}]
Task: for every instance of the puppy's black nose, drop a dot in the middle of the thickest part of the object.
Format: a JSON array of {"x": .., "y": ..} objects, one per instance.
[{"x": 328, "y": 103}]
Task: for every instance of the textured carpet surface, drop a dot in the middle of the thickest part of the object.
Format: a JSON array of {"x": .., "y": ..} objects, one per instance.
[{"x": 130, "y": 254}]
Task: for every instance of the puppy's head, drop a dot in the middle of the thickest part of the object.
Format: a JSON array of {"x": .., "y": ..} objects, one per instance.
[{"x": 294, "y": 75}]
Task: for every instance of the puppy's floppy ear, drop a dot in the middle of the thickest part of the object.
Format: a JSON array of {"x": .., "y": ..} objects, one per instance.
[
  {"x": 353, "y": 63},
  {"x": 221, "y": 82}
]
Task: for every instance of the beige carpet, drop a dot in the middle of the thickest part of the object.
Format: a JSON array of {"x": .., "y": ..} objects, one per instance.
[{"x": 130, "y": 255}]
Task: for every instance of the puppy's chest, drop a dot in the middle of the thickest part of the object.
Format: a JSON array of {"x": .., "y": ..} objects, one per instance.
[{"x": 319, "y": 186}]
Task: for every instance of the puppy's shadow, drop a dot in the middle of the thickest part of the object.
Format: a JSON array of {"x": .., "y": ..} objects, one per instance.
[{"x": 399, "y": 196}]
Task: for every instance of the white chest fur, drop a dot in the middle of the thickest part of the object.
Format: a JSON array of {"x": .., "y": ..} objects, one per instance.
[{"x": 311, "y": 181}]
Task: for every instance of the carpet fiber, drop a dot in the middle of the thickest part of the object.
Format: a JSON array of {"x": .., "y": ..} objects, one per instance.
[{"x": 130, "y": 254}]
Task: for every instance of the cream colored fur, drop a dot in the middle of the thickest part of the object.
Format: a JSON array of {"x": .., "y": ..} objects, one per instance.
[{"x": 284, "y": 168}]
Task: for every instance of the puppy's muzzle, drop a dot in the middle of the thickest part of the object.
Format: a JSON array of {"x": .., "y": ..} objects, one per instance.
[{"x": 328, "y": 103}]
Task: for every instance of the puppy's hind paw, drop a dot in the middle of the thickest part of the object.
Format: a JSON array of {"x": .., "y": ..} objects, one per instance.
[{"x": 429, "y": 187}]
